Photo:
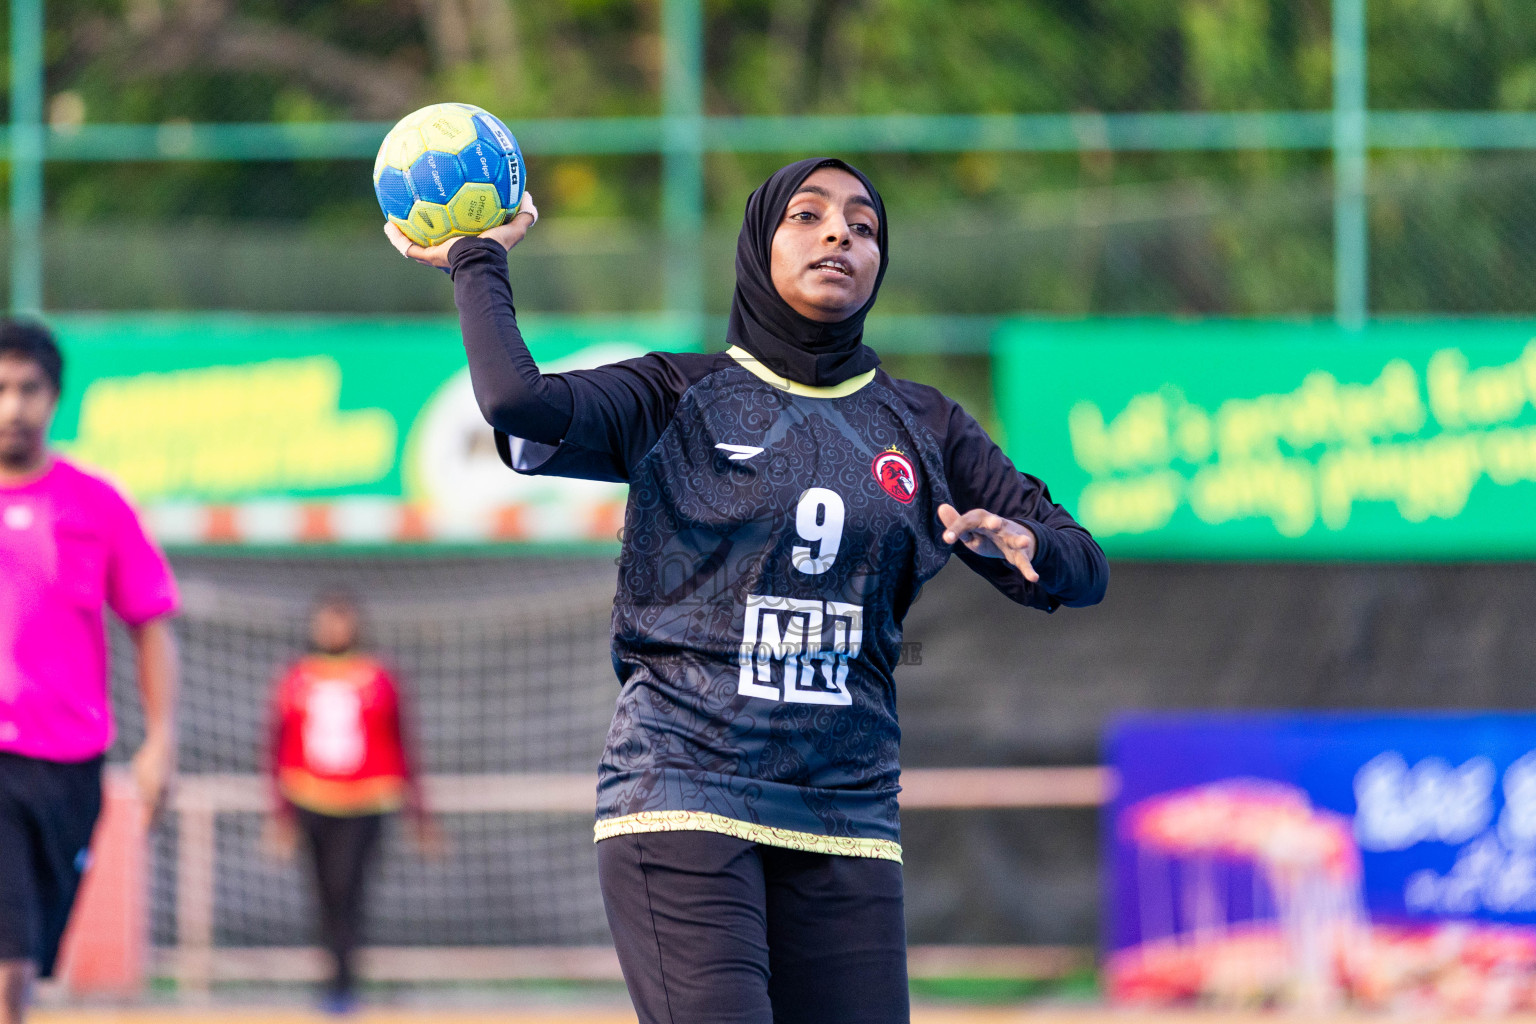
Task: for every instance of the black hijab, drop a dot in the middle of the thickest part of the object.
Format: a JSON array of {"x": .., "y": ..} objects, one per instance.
[{"x": 795, "y": 346}]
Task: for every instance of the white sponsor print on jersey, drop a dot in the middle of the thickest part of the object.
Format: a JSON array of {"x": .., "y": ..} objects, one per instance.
[{"x": 797, "y": 651}]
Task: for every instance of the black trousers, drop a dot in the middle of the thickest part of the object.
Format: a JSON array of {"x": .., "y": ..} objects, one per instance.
[
  {"x": 48, "y": 810},
  {"x": 716, "y": 930},
  {"x": 342, "y": 851}
]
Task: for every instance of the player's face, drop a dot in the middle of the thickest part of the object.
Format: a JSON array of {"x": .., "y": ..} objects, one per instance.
[
  {"x": 333, "y": 628},
  {"x": 825, "y": 251},
  {"x": 27, "y": 404}
]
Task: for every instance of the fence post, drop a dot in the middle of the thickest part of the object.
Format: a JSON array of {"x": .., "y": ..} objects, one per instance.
[
  {"x": 1351, "y": 252},
  {"x": 682, "y": 174},
  {"x": 196, "y": 852},
  {"x": 26, "y": 155}
]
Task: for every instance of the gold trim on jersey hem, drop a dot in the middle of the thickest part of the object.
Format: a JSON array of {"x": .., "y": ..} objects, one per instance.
[
  {"x": 767, "y": 835},
  {"x": 754, "y": 366}
]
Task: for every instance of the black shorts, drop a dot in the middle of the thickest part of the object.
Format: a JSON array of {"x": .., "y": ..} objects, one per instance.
[
  {"x": 716, "y": 930},
  {"x": 47, "y": 813}
]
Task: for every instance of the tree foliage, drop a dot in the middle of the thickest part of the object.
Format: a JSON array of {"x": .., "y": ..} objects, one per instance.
[{"x": 1198, "y": 233}]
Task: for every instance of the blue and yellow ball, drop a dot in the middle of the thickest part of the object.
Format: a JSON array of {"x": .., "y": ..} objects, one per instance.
[{"x": 448, "y": 169}]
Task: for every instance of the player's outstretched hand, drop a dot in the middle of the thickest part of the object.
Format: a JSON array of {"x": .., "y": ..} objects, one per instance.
[
  {"x": 506, "y": 235},
  {"x": 991, "y": 536}
]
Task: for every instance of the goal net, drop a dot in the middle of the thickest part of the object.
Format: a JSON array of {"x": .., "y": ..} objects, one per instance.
[{"x": 505, "y": 664}]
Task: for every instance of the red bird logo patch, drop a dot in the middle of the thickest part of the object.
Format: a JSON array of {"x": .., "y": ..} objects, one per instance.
[{"x": 895, "y": 475}]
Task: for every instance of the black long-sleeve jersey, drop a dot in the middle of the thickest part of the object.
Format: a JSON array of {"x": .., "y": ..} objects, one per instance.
[{"x": 775, "y": 536}]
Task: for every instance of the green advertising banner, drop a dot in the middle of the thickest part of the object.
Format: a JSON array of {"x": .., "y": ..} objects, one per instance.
[
  {"x": 1229, "y": 439},
  {"x": 242, "y": 429}
]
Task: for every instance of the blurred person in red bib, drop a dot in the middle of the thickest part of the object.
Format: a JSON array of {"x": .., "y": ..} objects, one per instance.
[{"x": 341, "y": 761}]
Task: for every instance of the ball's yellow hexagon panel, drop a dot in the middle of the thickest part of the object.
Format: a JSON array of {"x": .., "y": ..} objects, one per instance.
[
  {"x": 431, "y": 222},
  {"x": 449, "y": 128},
  {"x": 407, "y": 229},
  {"x": 416, "y": 118},
  {"x": 379, "y": 163},
  {"x": 476, "y": 207},
  {"x": 403, "y": 147}
]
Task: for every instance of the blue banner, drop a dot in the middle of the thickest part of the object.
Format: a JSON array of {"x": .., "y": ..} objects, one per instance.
[{"x": 1324, "y": 859}]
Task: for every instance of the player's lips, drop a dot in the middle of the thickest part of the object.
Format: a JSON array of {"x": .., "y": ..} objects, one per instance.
[{"x": 833, "y": 265}]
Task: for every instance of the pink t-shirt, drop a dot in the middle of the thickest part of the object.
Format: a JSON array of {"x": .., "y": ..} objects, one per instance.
[{"x": 69, "y": 545}]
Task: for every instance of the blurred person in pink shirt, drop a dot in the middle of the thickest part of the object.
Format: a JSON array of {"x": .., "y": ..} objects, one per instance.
[{"x": 70, "y": 547}]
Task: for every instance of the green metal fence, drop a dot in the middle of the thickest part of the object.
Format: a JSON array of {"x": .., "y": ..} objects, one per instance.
[{"x": 684, "y": 136}]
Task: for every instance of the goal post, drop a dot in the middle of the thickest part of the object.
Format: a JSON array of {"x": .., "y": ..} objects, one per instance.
[{"x": 197, "y": 961}]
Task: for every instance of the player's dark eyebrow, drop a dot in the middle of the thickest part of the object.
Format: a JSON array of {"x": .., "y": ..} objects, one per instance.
[{"x": 856, "y": 200}]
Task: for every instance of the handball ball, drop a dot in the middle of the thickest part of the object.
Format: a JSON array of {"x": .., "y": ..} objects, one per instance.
[{"x": 448, "y": 169}]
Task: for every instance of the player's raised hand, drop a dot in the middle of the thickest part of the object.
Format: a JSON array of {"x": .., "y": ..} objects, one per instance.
[
  {"x": 506, "y": 235},
  {"x": 991, "y": 536}
]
